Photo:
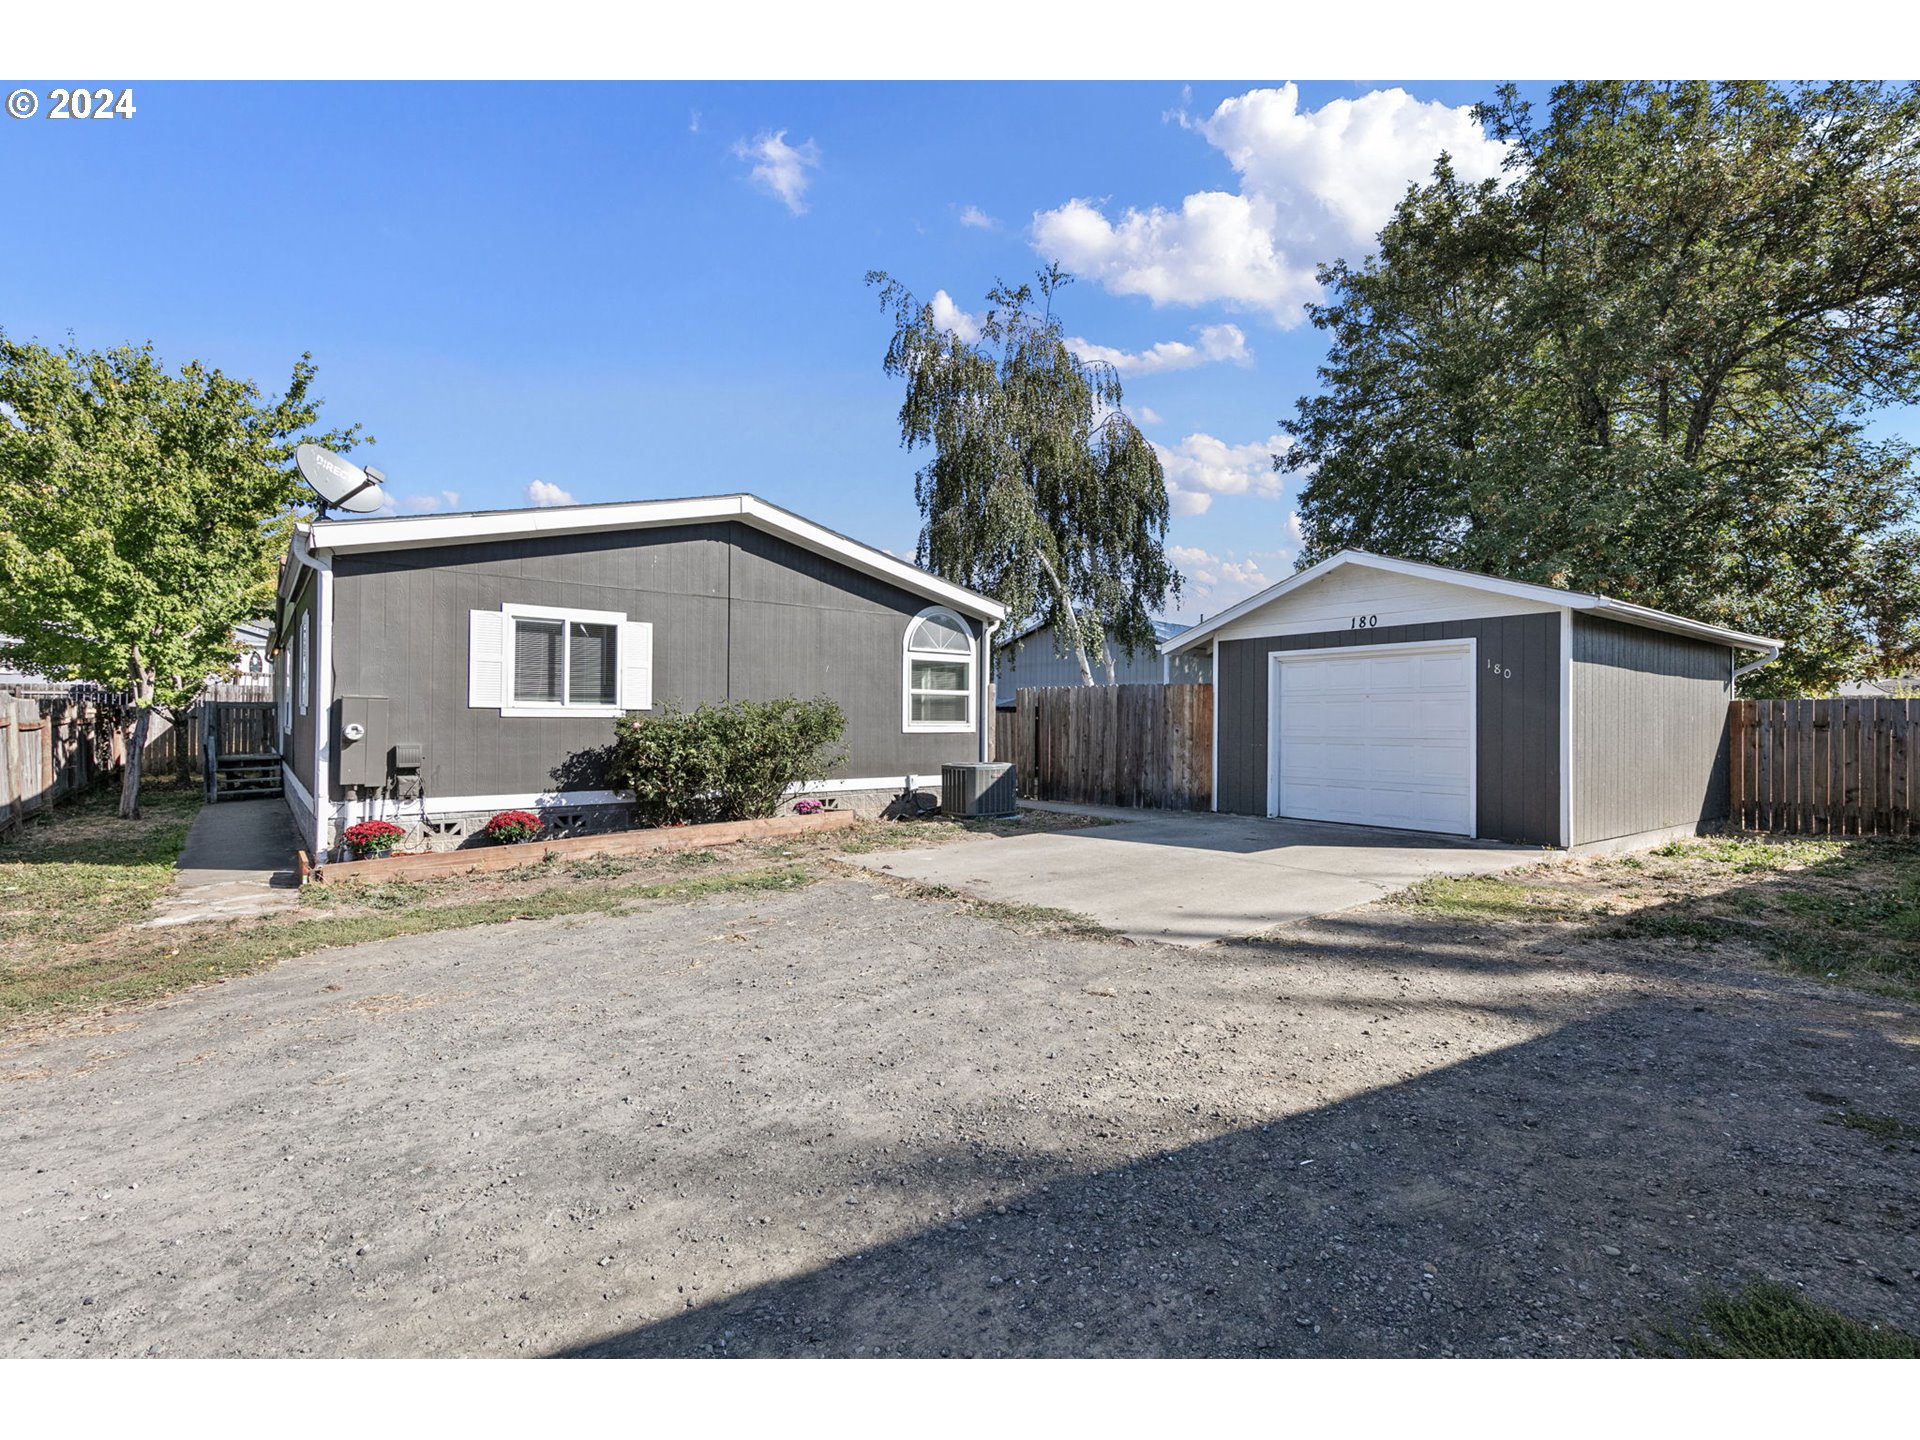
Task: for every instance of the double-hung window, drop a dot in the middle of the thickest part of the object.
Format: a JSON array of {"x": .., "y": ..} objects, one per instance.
[
  {"x": 565, "y": 662},
  {"x": 939, "y": 672},
  {"x": 527, "y": 660}
]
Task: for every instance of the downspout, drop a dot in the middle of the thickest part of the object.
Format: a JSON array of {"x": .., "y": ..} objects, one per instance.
[
  {"x": 1767, "y": 659},
  {"x": 988, "y": 714},
  {"x": 322, "y": 691}
]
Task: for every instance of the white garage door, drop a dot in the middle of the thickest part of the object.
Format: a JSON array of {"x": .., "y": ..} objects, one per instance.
[{"x": 1374, "y": 737}]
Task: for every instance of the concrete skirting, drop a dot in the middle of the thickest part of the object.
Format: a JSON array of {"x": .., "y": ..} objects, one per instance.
[
  {"x": 630, "y": 842},
  {"x": 1647, "y": 839}
]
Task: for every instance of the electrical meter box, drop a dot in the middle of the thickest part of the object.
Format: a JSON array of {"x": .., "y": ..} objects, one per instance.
[{"x": 360, "y": 740}]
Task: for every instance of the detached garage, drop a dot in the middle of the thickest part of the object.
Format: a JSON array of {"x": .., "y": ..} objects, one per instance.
[{"x": 1371, "y": 691}]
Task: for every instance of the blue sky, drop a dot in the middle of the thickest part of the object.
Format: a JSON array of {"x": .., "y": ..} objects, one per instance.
[{"x": 619, "y": 292}]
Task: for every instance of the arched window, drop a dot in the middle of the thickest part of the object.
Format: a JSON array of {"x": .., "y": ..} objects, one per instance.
[{"x": 938, "y": 672}]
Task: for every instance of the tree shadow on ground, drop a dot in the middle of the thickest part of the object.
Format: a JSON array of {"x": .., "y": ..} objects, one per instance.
[{"x": 1671, "y": 1132}]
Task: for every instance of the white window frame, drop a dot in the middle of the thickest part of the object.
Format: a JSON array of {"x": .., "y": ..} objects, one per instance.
[
  {"x": 523, "y": 709},
  {"x": 305, "y": 663},
  {"x": 908, "y": 655}
]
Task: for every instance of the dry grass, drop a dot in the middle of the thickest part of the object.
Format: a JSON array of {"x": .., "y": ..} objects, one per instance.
[
  {"x": 1841, "y": 910},
  {"x": 84, "y": 882}
]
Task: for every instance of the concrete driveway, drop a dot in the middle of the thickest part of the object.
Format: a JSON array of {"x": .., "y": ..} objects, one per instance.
[{"x": 1186, "y": 878}]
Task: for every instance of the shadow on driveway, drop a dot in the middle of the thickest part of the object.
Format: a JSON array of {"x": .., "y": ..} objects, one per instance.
[{"x": 1557, "y": 1197}]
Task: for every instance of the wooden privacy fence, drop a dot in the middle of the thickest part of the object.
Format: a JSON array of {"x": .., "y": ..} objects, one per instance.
[
  {"x": 58, "y": 740},
  {"x": 1149, "y": 745},
  {"x": 1824, "y": 767},
  {"x": 50, "y": 747}
]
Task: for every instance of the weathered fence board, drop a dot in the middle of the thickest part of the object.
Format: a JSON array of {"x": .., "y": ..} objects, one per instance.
[
  {"x": 57, "y": 741},
  {"x": 1824, "y": 767},
  {"x": 1144, "y": 745}
]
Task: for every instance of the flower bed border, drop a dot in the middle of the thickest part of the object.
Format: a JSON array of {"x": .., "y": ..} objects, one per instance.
[{"x": 442, "y": 863}]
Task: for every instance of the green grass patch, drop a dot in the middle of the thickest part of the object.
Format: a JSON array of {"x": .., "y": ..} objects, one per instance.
[
  {"x": 1766, "y": 1321},
  {"x": 1697, "y": 929},
  {"x": 1881, "y": 1127},
  {"x": 1483, "y": 897},
  {"x": 150, "y": 964},
  {"x": 1753, "y": 854},
  {"x": 80, "y": 870},
  {"x": 1883, "y": 967},
  {"x": 1893, "y": 911}
]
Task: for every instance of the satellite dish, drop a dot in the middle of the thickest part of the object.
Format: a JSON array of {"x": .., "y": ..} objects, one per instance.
[{"x": 339, "y": 482}]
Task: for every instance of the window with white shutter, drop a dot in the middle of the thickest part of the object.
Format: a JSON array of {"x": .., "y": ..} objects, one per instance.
[{"x": 527, "y": 660}]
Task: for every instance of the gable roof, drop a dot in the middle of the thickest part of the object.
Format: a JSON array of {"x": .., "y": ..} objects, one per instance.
[
  {"x": 1544, "y": 594},
  {"x": 1163, "y": 631},
  {"x": 408, "y": 532}
]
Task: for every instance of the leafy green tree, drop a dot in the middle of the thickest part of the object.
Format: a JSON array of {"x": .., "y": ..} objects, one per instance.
[
  {"x": 141, "y": 515},
  {"x": 1644, "y": 362},
  {"x": 1040, "y": 491}
]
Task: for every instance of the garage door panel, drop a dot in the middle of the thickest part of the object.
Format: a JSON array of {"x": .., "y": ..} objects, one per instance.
[{"x": 1377, "y": 739}]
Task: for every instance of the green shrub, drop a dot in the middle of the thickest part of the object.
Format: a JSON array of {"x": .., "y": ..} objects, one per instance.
[{"x": 727, "y": 761}]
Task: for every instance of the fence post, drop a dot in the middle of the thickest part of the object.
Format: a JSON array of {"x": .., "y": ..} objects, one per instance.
[{"x": 16, "y": 806}]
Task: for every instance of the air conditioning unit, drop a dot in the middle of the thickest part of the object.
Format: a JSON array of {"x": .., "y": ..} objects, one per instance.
[{"x": 977, "y": 791}]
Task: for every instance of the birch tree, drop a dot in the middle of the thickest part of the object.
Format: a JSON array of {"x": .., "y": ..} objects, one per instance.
[{"x": 1039, "y": 490}]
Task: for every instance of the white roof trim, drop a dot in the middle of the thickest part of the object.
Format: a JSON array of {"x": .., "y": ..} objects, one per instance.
[
  {"x": 348, "y": 537},
  {"x": 1519, "y": 590}
]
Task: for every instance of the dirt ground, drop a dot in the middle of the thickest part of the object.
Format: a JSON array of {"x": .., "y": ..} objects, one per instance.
[{"x": 845, "y": 1120}]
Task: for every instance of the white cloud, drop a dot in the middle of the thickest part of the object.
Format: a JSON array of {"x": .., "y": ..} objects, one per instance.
[
  {"x": 426, "y": 504},
  {"x": 949, "y": 316},
  {"x": 1201, "y": 467},
  {"x": 1215, "y": 582},
  {"x": 1217, "y": 343},
  {"x": 1315, "y": 185},
  {"x": 543, "y": 493},
  {"x": 693, "y": 122},
  {"x": 977, "y": 218},
  {"x": 1148, "y": 415},
  {"x": 780, "y": 168}
]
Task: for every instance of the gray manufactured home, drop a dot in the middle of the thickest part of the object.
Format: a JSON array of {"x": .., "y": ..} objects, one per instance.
[
  {"x": 1385, "y": 692},
  {"x": 435, "y": 670},
  {"x": 1029, "y": 658}
]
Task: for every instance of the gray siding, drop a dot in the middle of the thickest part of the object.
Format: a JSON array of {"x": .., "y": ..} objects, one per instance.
[
  {"x": 736, "y": 614},
  {"x": 299, "y": 745},
  {"x": 1032, "y": 661},
  {"x": 1518, "y": 719},
  {"x": 1649, "y": 730}
]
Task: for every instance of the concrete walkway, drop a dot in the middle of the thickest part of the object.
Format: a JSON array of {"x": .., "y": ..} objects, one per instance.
[
  {"x": 238, "y": 861},
  {"x": 1185, "y": 878}
]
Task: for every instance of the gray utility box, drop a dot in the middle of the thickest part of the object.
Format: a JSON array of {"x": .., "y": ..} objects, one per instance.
[
  {"x": 977, "y": 790},
  {"x": 360, "y": 740}
]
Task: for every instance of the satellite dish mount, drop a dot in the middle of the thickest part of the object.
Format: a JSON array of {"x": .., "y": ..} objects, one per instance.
[{"x": 339, "y": 483}]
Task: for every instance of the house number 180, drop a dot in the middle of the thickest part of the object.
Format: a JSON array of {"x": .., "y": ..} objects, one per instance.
[
  {"x": 1363, "y": 622},
  {"x": 1499, "y": 670}
]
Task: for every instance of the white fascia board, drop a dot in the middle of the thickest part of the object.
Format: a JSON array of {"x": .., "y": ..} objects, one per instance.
[
  {"x": 415, "y": 531},
  {"x": 1519, "y": 590},
  {"x": 1677, "y": 625}
]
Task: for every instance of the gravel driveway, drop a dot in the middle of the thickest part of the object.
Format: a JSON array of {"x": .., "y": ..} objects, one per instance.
[{"x": 847, "y": 1121}]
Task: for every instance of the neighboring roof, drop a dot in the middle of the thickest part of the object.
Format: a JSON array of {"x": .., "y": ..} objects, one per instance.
[
  {"x": 1887, "y": 685},
  {"x": 347, "y": 537},
  {"x": 1545, "y": 594},
  {"x": 1163, "y": 631}
]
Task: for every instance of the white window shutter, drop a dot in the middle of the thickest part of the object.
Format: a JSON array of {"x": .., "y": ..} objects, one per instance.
[
  {"x": 486, "y": 659},
  {"x": 636, "y": 665}
]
